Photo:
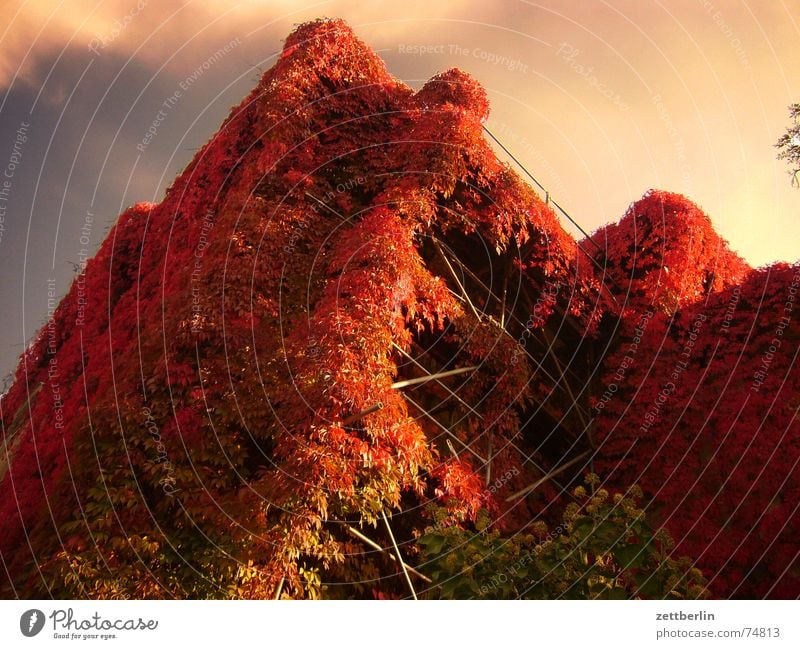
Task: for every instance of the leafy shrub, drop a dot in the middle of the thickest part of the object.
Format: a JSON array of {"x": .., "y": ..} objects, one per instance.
[{"x": 605, "y": 548}]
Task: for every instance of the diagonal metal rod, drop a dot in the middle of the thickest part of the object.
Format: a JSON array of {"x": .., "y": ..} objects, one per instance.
[
  {"x": 452, "y": 448},
  {"x": 562, "y": 383},
  {"x": 455, "y": 277},
  {"x": 526, "y": 490},
  {"x": 372, "y": 544},
  {"x": 443, "y": 427},
  {"x": 567, "y": 216},
  {"x": 440, "y": 383},
  {"x": 360, "y": 415},
  {"x": 487, "y": 462},
  {"x": 424, "y": 379},
  {"x": 505, "y": 292},
  {"x": 469, "y": 272},
  {"x": 475, "y": 412},
  {"x": 530, "y": 175},
  {"x": 489, "y": 459},
  {"x": 399, "y": 557},
  {"x": 489, "y": 292},
  {"x": 559, "y": 367},
  {"x": 326, "y": 206}
]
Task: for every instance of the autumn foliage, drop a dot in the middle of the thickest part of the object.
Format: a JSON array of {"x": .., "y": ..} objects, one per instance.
[
  {"x": 665, "y": 253},
  {"x": 213, "y": 410}
]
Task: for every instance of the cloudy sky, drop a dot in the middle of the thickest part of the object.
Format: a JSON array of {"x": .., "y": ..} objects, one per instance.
[{"x": 601, "y": 100}]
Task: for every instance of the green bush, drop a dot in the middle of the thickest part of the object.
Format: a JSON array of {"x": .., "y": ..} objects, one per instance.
[{"x": 605, "y": 548}]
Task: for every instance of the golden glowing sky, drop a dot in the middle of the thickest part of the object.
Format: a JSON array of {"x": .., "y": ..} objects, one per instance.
[{"x": 601, "y": 100}]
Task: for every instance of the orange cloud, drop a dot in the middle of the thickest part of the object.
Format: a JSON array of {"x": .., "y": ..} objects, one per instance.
[{"x": 153, "y": 31}]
